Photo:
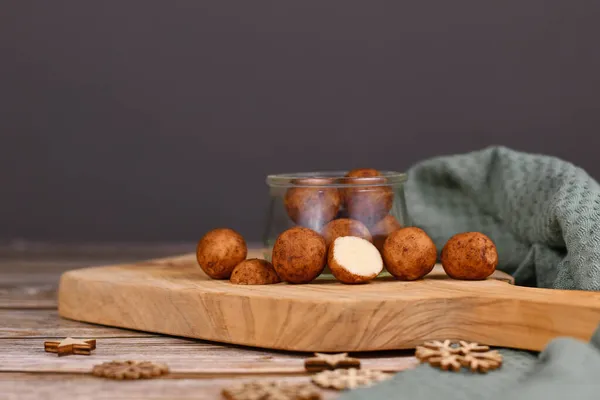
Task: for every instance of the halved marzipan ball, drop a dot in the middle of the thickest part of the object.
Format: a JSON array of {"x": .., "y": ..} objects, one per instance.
[
  {"x": 254, "y": 272},
  {"x": 469, "y": 256},
  {"x": 310, "y": 204},
  {"x": 354, "y": 260},
  {"x": 299, "y": 255},
  {"x": 409, "y": 254},
  {"x": 382, "y": 229},
  {"x": 345, "y": 227},
  {"x": 219, "y": 251}
]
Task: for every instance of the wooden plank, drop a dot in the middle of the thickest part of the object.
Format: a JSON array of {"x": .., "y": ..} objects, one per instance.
[
  {"x": 26, "y": 386},
  {"x": 32, "y": 296},
  {"x": 47, "y": 323},
  {"x": 30, "y": 279},
  {"x": 184, "y": 356},
  {"x": 173, "y": 296}
]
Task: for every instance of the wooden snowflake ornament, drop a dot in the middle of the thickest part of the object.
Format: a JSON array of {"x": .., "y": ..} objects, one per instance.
[
  {"x": 467, "y": 348},
  {"x": 482, "y": 362},
  {"x": 443, "y": 347},
  {"x": 128, "y": 370},
  {"x": 351, "y": 378},
  {"x": 271, "y": 391},
  {"x": 447, "y": 362},
  {"x": 450, "y": 356}
]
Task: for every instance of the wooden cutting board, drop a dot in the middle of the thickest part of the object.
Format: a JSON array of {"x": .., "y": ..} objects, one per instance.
[{"x": 173, "y": 296}]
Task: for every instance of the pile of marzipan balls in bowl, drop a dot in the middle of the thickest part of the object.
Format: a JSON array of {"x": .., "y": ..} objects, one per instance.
[{"x": 356, "y": 247}]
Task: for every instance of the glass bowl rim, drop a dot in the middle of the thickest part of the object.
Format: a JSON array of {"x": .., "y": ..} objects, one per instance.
[{"x": 337, "y": 179}]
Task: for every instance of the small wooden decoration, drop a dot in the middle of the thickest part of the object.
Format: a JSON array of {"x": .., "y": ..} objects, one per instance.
[
  {"x": 272, "y": 391},
  {"x": 69, "y": 346},
  {"x": 351, "y": 378},
  {"x": 128, "y": 370},
  {"x": 451, "y": 356},
  {"x": 482, "y": 362},
  {"x": 322, "y": 362}
]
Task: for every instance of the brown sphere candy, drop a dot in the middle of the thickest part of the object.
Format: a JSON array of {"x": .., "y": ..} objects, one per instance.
[
  {"x": 254, "y": 272},
  {"x": 311, "y": 204},
  {"x": 345, "y": 227},
  {"x": 365, "y": 203},
  {"x": 469, "y": 256},
  {"x": 369, "y": 204},
  {"x": 219, "y": 251},
  {"x": 409, "y": 254},
  {"x": 355, "y": 176},
  {"x": 299, "y": 255},
  {"x": 382, "y": 229},
  {"x": 363, "y": 173}
]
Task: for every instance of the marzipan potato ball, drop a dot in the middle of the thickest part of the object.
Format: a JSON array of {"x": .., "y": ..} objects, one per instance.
[
  {"x": 360, "y": 173},
  {"x": 369, "y": 204},
  {"x": 366, "y": 203},
  {"x": 382, "y": 229},
  {"x": 254, "y": 272},
  {"x": 469, "y": 256},
  {"x": 363, "y": 173},
  {"x": 219, "y": 251},
  {"x": 310, "y": 204},
  {"x": 409, "y": 254},
  {"x": 345, "y": 227},
  {"x": 299, "y": 255}
]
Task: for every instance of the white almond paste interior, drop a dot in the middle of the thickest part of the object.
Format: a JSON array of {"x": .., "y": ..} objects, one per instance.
[{"x": 357, "y": 255}]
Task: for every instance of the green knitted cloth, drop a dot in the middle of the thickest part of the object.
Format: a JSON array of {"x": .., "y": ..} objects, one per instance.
[
  {"x": 543, "y": 213},
  {"x": 567, "y": 369},
  {"x": 544, "y": 216}
]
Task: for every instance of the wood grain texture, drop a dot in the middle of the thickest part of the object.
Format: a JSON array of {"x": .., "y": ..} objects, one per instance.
[
  {"x": 48, "y": 324},
  {"x": 173, "y": 296},
  {"x": 185, "y": 357},
  {"x": 29, "y": 271},
  {"x": 25, "y": 386},
  {"x": 28, "y": 279}
]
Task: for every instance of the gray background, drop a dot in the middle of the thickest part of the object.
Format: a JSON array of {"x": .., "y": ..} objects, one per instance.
[{"x": 157, "y": 120}]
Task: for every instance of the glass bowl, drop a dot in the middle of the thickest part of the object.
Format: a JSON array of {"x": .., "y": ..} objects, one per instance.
[{"x": 314, "y": 199}]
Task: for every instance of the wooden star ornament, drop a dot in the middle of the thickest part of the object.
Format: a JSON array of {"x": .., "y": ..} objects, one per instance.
[
  {"x": 69, "y": 346},
  {"x": 322, "y": 362}
]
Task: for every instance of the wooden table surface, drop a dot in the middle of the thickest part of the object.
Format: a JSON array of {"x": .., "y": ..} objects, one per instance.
[{"x": 29, "y": 276}]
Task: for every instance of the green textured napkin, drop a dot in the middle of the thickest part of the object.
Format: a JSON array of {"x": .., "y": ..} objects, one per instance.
[
  {"x": 544, "y": 215},
  {"x": 566, "y": 369}
]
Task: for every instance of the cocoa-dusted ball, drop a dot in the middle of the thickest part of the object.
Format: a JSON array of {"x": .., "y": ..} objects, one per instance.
[
  {"x": 364, "y": 202},
  {"x": 345, "y": 227},
  {"x": 382, "y": 229},
  {"x": 409, "y": 254},
  {"x": 363, "y": 173},
  {"x": 359, "y": 176},
  {"x": 311, "y": 204},
  {"x": 219, "y": 251},
  {"x": 369, "y": 204},
  {"x": 254, "y": 272},
  {"x": 299, "y": 255},
  {"x": 469, "y": 256}
]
